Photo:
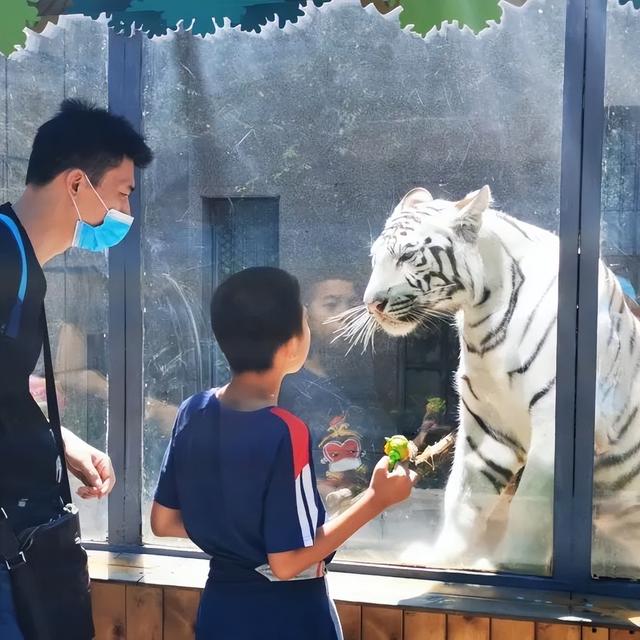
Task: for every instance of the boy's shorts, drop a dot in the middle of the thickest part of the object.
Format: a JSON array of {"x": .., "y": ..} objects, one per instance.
[{"x": 291, "y": 610}]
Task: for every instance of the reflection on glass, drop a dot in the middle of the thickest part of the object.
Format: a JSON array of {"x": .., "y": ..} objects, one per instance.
[
  {"x": 346, "y": 428},
  {"x": 79, "y": 332},
  {"x": 616, "y": 509},
  {"x": 294, "y": 156},
  {"x": 174, "y": 368},
  {"x": 77, "y": 300}
]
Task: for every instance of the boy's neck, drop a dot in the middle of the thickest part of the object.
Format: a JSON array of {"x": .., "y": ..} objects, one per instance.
[{"x": 251, "y": 391}]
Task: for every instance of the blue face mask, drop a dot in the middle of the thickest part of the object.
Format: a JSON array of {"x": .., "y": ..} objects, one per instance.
[{"x": 113, "y": 229}]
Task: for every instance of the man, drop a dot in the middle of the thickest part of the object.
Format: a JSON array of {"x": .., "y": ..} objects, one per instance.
[{"x": 79, "y": 179}]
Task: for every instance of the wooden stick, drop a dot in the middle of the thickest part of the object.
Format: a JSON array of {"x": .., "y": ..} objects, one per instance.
[{"x": 442, "y": 446}]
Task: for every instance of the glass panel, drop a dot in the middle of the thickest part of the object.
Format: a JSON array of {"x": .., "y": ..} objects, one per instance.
[
  {"x": 616, "y": 535},
  {"x": 312, "y": 135},
  {"x": 69, "y": 61}
]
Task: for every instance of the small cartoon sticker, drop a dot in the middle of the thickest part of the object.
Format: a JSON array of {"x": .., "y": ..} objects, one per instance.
[{"x": 342, "y": 447}]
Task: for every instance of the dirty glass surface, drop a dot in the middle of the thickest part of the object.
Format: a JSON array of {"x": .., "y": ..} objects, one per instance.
[{"x": 291, "y": 148}]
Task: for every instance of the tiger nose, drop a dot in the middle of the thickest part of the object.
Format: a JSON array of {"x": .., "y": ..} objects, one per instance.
[{"x": 377, "y": 305}]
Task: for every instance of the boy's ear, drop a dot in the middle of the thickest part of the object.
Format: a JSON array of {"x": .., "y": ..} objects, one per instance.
[
  {"x": 292, "y": 346},
  {"x": 285, "y": 352}
]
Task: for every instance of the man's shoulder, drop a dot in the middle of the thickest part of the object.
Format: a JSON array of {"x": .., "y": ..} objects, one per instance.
[
  {"x": 13, "y": 275},
  {"x": 10, "y": 237}
]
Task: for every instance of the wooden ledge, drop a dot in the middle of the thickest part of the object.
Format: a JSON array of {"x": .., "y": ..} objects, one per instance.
[{"x": 409, "y": 594}]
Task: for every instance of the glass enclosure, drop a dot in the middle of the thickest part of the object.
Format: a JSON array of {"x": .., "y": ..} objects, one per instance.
[
  {"x": 291, "y": 149},
  {"x": 413, "y": 186}
]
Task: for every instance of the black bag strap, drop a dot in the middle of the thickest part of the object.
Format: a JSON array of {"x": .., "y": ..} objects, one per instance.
[
  {"x": 11, "y": 553},
  {"x": 52, "y": 408},
  {"x": 9, "y": 544}
]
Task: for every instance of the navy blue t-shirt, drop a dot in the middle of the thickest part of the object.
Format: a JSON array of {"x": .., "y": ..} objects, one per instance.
[{"x": 243, "y": 481}]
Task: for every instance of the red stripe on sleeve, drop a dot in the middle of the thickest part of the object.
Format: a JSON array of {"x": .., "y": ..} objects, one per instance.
[{"x": 299, "y": 435}]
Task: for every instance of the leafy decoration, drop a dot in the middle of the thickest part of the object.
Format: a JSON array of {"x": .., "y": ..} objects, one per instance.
[{"x": 15, "y": 15}]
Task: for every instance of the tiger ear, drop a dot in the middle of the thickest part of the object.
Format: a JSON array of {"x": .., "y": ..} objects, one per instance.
[
  {"x": 416, "y": 199},
  {"x": 470, "y": 209}
]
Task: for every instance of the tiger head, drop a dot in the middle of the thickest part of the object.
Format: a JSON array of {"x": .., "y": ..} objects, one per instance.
[{"x": 426, "y": 262}]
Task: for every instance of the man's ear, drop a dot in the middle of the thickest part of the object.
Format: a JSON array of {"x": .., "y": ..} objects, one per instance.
[{"x": 73, "y": 180}]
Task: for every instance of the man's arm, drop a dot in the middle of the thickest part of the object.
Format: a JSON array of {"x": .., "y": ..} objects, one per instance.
[{"x": 90, "y": 465}]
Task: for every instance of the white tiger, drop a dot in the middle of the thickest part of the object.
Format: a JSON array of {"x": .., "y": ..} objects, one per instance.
[{"x": 499, "y": 277}]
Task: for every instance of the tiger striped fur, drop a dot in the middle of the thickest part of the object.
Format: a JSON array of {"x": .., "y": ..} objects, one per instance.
[{"x": 498, "y": 276}]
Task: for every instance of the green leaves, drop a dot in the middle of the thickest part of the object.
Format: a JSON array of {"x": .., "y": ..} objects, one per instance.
[
  {"x": 15, "y": 15},
  {"x": 156, "y": 17},
  {"x": 424, "y": 16}
]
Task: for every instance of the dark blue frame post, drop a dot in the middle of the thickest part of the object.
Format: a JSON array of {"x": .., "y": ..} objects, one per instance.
[
  {"x": 564, "y": 568},
  {"x": 590, "y": 190},
  {"x": 125, "y": 316}
]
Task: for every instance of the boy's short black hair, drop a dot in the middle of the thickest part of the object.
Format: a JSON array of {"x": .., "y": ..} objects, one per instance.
[
  {"x": 253, "y": 313},
  {"x": 82, "y": 136}
]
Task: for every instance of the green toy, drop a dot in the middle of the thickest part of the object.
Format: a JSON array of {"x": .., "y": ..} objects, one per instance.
[{"x": 399, "y": 449}]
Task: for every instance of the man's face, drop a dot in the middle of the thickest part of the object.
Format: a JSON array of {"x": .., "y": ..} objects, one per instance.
[
  {"x": 116, "y": 186},
  {"x": 329, "y": 298}
]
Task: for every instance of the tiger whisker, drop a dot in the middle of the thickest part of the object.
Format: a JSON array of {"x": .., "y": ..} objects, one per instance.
[
  {"x": 347, "y": 315},
  {"x": 359, "y": 336},
  {"x": 352, "y": 327}
]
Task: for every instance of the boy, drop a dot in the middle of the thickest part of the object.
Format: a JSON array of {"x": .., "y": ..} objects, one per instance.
[{"x": 238, "y": 477}]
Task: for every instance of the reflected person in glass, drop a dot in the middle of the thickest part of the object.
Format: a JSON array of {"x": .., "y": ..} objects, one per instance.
[{"x": 330, "y": 395}]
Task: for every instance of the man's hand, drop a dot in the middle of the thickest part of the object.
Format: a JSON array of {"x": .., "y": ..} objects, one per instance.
[{"x": 91, "y": 466}]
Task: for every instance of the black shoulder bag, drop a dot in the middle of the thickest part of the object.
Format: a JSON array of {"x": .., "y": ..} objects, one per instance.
[{"x": 47, "y": 564}]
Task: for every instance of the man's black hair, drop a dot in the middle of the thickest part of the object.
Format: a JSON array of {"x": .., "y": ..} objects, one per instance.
[
  {"x": 82, "y": 136},
  {"x": 253, "y": 313}
]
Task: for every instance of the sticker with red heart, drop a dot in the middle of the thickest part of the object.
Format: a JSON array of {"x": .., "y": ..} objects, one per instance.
[{"x": 335, "y": 451}]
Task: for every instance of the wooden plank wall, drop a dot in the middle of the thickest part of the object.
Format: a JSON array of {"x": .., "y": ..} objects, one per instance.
[{"x": 139, "y": 612}]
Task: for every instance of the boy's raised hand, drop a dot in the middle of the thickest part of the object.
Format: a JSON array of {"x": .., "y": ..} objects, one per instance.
[{"x": 390, "y": 487}]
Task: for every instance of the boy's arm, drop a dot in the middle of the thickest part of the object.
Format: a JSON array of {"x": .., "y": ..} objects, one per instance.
[
  {"x": 167, "y": 522},
  {"x": 166, "y": 517},
  {"x": 385, "y": 489}
]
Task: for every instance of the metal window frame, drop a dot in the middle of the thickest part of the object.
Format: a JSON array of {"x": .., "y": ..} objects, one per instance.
[
  {"x": 124, "y": 437},
  {"x": 581, "y": 173}
]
